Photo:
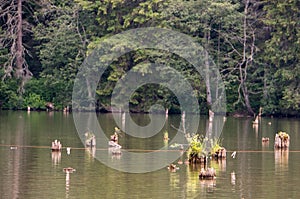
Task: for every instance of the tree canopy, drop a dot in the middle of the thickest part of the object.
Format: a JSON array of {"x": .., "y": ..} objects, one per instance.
[{"x": 254, "y": 43}]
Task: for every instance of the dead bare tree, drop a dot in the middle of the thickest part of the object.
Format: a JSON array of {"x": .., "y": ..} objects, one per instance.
[
  {"x": 13, "y": 26},
  {"x": 245, "y": 52},
  {"x": 248, "y": 42}
]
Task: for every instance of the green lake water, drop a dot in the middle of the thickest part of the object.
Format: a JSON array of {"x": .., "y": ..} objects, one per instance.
[{"x": 28, "y": 168}]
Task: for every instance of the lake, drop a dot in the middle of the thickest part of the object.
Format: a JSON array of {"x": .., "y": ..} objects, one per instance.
[{"x": 29, "y": 169}]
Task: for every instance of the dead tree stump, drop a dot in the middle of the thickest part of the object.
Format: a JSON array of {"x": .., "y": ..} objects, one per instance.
[
  {"x": 194, "y": 159},
  {"x": 220, "y": 153},
  {"x": 282, "y": 140},
  {"x": 56, "y": 146}
]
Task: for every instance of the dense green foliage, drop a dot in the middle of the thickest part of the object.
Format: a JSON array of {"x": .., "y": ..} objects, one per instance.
[{"x": 255, "y": 43}]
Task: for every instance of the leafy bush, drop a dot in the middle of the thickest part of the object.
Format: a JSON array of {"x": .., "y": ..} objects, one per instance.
[
  {"x": 34, "y": 101},
  {"x": 196, "y": 147},
  {"x": 9, "y": 98},
  {"x": 283, "y": 135}
]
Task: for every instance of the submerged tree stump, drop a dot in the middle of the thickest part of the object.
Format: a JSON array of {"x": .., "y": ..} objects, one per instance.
[
  {"x": 220, "y": 153},
  {"x": 265, "y": 139},
  {"x": 195, "y": 159},
  {"x": 282, "y": 140},
  {"x": 49, "y": 106},
  {"x": 56, "y": 146},
  {"x": 209, "y": 173},
  {"x": 90, "y": 139},
  {"x": 172, "y": 168}
]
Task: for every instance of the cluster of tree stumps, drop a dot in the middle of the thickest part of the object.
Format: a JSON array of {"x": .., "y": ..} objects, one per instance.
[
  {"x": 219, "y": 155},
  {"x": 281, "y": 149},
  {"x": 282, "y": 140},
  {"x": 197, "y": 154},
  {"x": 114, "y": 147}
]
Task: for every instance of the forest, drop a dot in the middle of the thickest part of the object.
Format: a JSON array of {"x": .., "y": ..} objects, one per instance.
[{"x": 254, "y": 43}]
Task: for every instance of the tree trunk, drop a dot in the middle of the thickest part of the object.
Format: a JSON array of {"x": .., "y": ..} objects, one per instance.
[
  {"x": 247, "y": 101},
  {"x": 19, "y": 47},
  {"x": 246, "y": 60},
  {"x": 207, "y": 69},
  {"x": 91, "y": 106}
]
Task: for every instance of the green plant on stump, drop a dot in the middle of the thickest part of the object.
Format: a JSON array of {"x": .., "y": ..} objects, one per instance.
[
  {"x": 217, "y": 150},
  {"x": 282, "y": 140},
  {"x": 283, "y": 135},
  {"x": 195, "y": 151},
  {"x": 216, "y": 145}
]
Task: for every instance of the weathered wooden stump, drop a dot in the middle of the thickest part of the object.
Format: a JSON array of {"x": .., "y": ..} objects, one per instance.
[
  {"x": 114, "y": 144},
  {"x": 282, "y": 140},
  {"x": 91, "y": 142},
  {"x": 90, "y": 139},
  {"x": 56, "y": 146},
  {"x": 173, "y": 168},
  {"x": 66, "y": 109},
  {"x": 255, "y": 122},
  {"x": 114, "y": 137},
  {"x": 195, "y": 159},
  {"x": 220, "y": 153},
  {"x": 209, "y": 173},
  {"x": 49, "y": 106},
  {"x": 69, "y": 170}
]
